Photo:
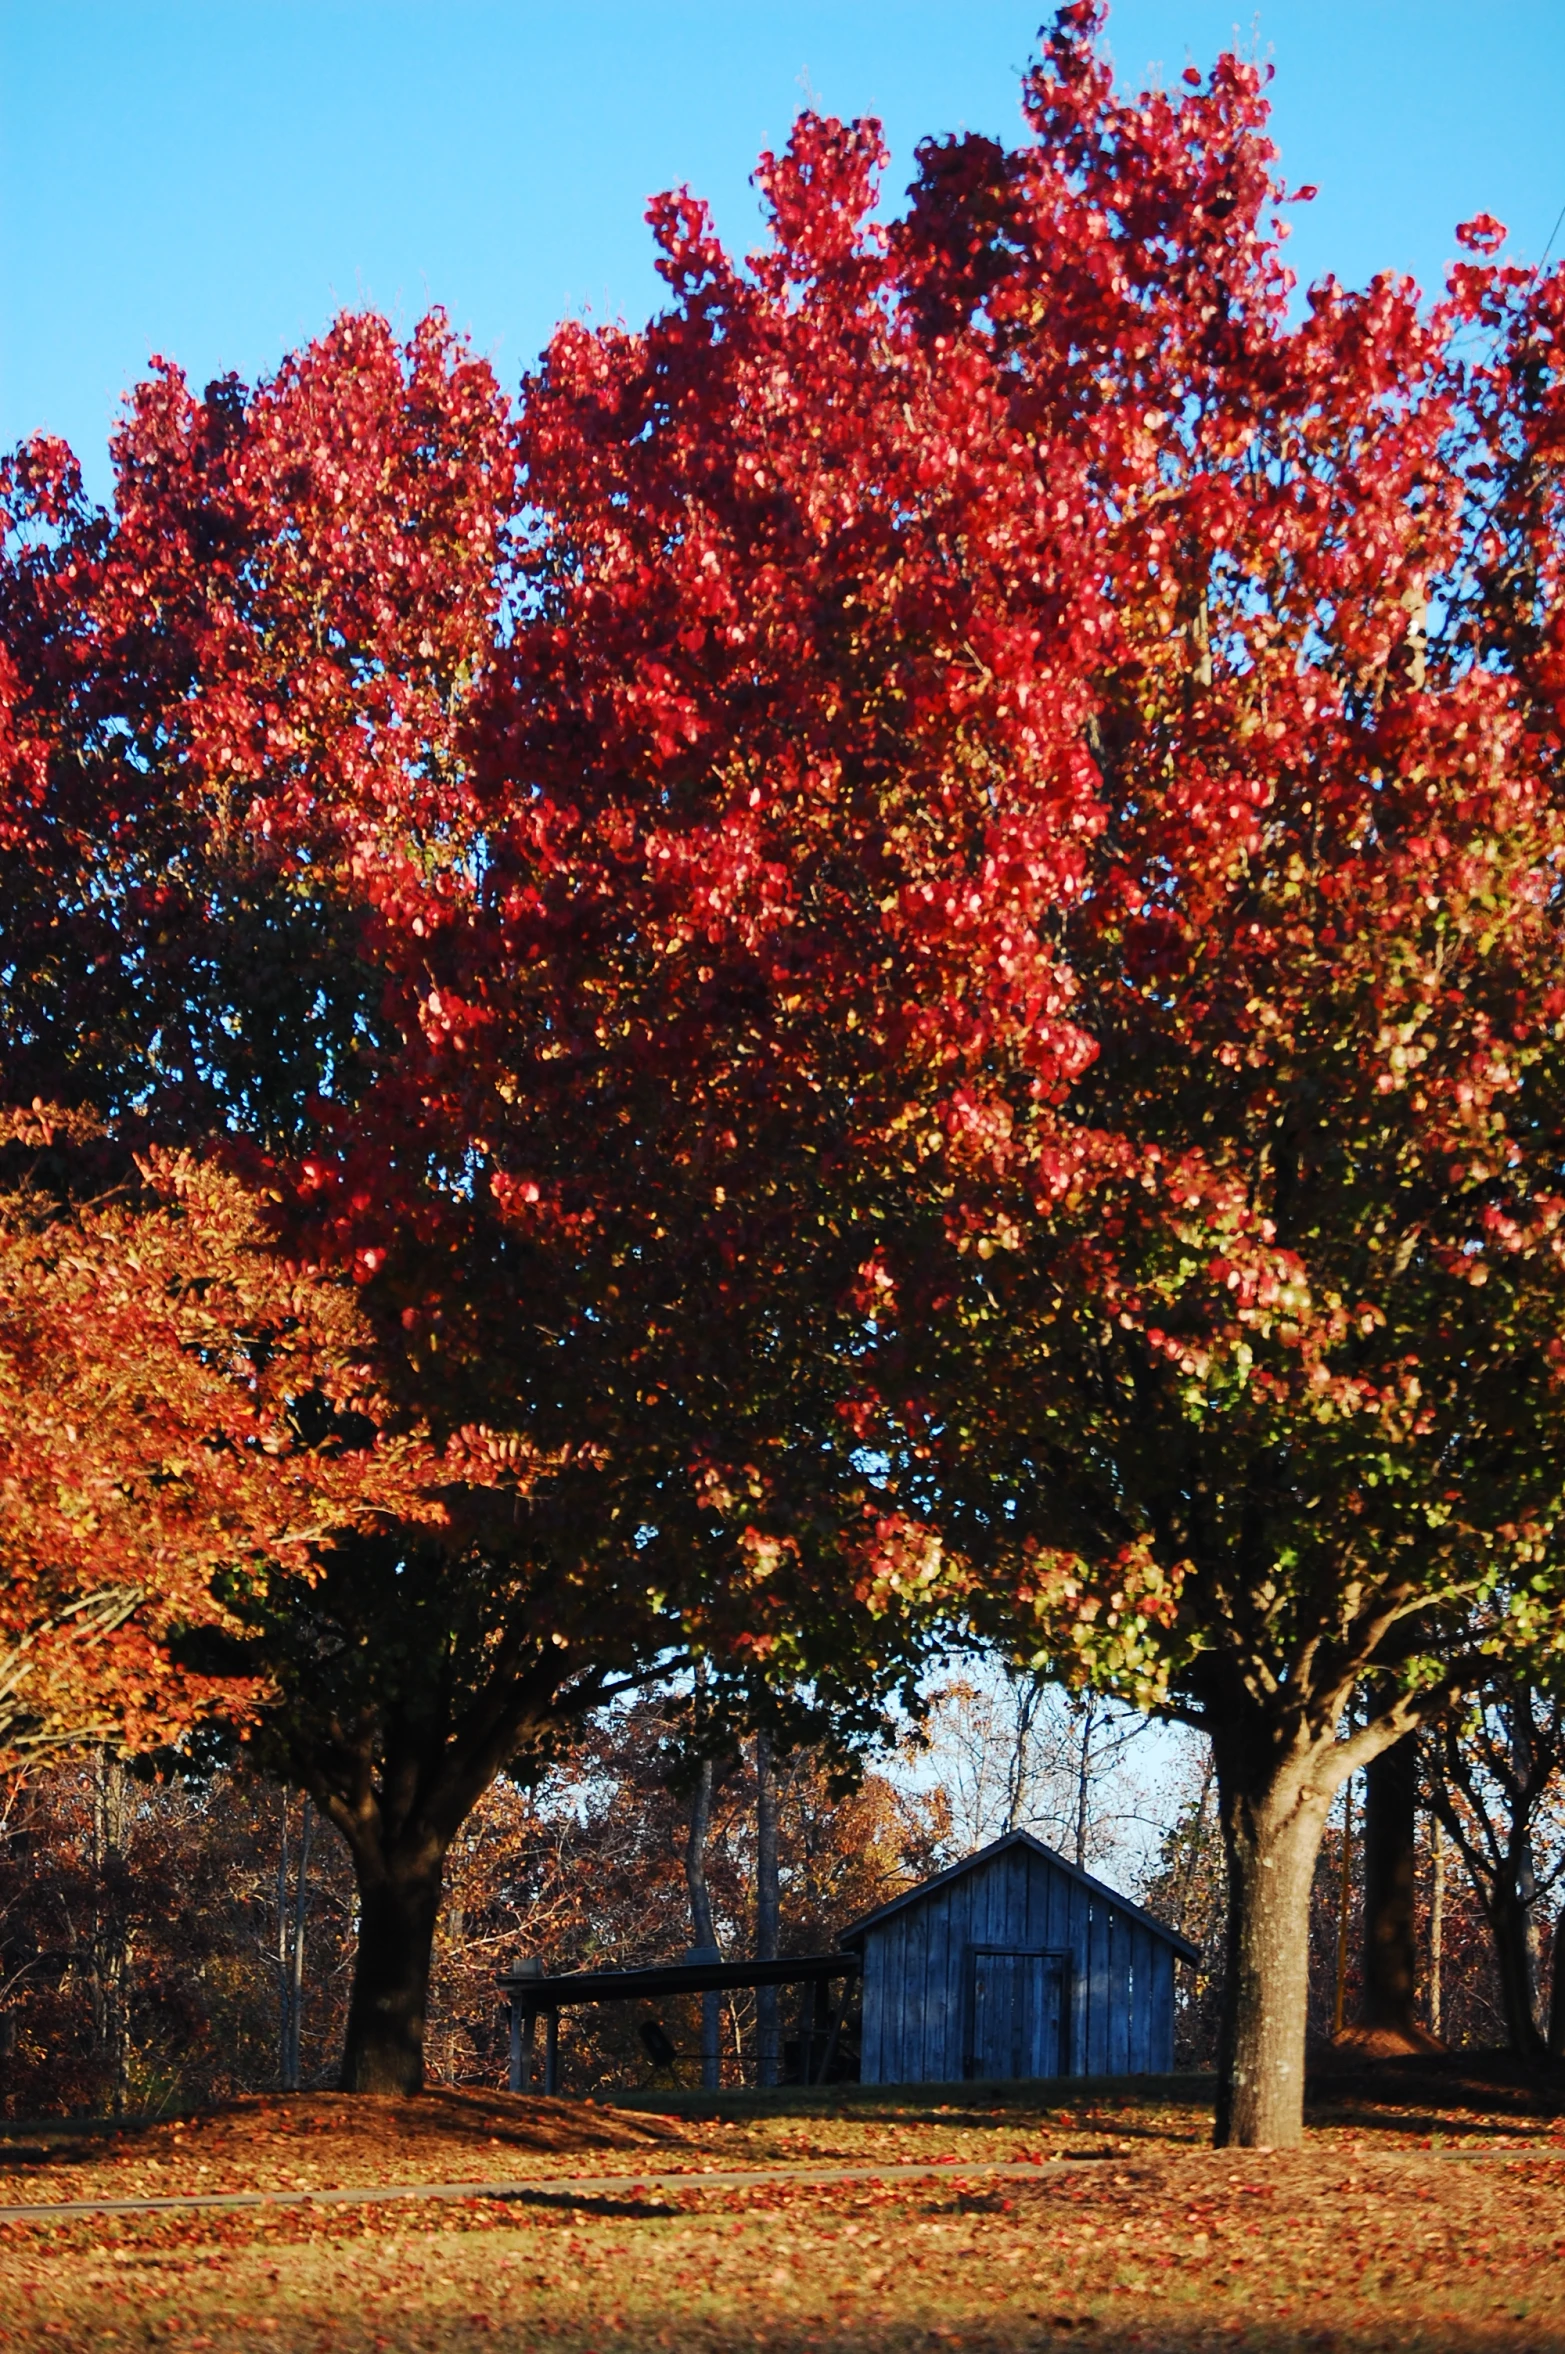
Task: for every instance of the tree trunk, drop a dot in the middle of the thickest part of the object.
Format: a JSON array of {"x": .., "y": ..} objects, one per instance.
[
  {"x": 1436, "y": 1922},
  {"x": 1390, "y": 1845},
  {"x": 399, "y": 1774},
  {"x": 1197, "y": 1842},
  {"x": 704, "y": 1946},
  {"x": 1557, "y": 1992},
  {"x": 1531, "y": 1772},
  {"x": 1339, "y": 2008},
  {"x": 292, "y": 2056},
  {"x": 768, "y": 2038},
  {"x": 399, "y": 1900},
  {"x": 1272, "y": 1825},
  {"x": 1026, "y": 1696},
  {"x": 1084, "y": 1785},
  {"x": 111, "y": 1928},
  {"x": 1511, "y": 1924},
  {"x": 1492, "y": 1776},
  {"x": 285, "y": 2082},
  {"x": 702, "y": 1932}
]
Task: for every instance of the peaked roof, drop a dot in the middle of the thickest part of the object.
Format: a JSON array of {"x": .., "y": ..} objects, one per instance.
[{"x": 986, "y": 1855}]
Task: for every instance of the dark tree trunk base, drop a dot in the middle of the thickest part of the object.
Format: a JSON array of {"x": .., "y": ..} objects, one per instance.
[
  {"x": 1390, "y": 1840},
  {"x": 1510, "y": 1925},
  {"x": 384, "y": 2049}
]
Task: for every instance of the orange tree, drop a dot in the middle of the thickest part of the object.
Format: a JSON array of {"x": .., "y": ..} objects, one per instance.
[{"x": 153, "y": 1357}]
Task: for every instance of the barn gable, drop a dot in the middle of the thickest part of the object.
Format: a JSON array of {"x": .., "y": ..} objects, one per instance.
[{"x": 1014, "y": 1963}]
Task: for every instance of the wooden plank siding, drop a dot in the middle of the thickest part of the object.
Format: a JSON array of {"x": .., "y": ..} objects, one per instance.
[
  {"x": 945, "y": 1996},
  {"x": 1114, "y": 1964},
  {"x": 876, "y": 2054},
  {"x": 1138, "y": 2059},
  {"x": 1079, "y": 1914}
]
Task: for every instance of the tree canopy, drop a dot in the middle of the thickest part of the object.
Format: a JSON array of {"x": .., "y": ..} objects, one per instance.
[
  {"x": 905, "y": 933},
  {"x": 1244, "y": 1387}
]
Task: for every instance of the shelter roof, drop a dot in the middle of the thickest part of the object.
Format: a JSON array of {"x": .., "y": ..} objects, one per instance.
[
  {"x": 543, "y": 1993},
  {"x": 855, "y": 1934}
]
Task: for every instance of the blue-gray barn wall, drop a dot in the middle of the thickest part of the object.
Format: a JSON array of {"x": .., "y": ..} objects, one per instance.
[
  {"x": 916, "y": 1967},
  {"x": 1076, "y": 1908}
]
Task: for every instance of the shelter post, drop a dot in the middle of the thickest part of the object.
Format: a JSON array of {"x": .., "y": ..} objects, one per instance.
[
  {"x": 524, "y": 2022},
  {"x": 711, "y": 2021},
  {"x": 815, "y": 2005}
]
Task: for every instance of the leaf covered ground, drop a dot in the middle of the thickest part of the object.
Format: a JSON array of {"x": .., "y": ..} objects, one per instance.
[{"x": 1407, "y": 2222}]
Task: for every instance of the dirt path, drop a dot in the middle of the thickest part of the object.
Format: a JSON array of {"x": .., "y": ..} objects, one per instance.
[{"x": 570, "y": 2188}]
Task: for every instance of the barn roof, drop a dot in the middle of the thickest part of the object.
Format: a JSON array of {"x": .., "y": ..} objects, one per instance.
[{"x": 986, "y": 1855}]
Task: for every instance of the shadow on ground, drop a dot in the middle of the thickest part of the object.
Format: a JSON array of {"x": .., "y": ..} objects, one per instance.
[
  {"x": 468, "y": 2134},
  {"x": 1469, "y": 2092},
  {"x": 973, "y": 2104}
]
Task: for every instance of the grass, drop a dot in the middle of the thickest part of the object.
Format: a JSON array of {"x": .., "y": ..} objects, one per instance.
[{"x": 1412, "y": 2219}]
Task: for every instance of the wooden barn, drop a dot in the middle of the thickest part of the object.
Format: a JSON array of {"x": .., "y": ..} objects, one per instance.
[{"x": 1014, "y": 1963}]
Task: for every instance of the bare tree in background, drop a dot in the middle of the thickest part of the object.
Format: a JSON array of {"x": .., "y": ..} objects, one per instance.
[
  {"x": 768, "y": 2034},
  {"x": 292, "y": 1915},
  {"x": 1013, "y": 1752},
  {"x": 1186, "y": 1885},
  {"x": 110, "y": 1969},
  {"x": 1494, "y": 1781},
  {"x": 704, "y": 1946}
]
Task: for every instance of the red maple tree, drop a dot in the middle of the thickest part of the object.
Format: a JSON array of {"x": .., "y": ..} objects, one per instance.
[
  {"x": 252, "y": 900},
  {"x": 1245, "y": 1374},
  {"x": 1024, "y": 831}
]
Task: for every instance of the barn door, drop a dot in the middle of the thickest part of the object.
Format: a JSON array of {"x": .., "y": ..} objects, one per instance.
[{"x": 1017, "y": 2011}]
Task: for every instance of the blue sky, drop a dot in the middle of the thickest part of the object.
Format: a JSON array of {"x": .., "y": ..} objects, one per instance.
[{"x": 212, "y": 179}]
